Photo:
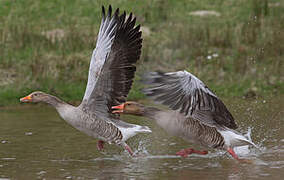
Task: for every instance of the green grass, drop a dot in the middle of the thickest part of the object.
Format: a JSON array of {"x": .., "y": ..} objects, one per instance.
[{"x": 247, "y": 36}]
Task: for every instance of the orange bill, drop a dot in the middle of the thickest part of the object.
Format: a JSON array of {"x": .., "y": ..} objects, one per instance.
[
  {"x": 118, "y": 109},
  {"x": 26, "y": 99}
]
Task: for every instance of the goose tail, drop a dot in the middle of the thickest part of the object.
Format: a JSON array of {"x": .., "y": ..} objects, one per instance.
[
  {"x": 144, "y": 129},
  {"x": 132, "y": 131},
  {"x": 233, "y": 139}
]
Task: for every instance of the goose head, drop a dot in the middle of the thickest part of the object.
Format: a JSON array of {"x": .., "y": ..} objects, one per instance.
[
  {"x": 39, "y": 96},
  {"x": 129, "y": 107},
  {"x": 36, "y": 96}
]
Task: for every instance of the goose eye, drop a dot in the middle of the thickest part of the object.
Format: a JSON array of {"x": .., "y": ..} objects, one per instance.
[{"x": 35, "y": 94}]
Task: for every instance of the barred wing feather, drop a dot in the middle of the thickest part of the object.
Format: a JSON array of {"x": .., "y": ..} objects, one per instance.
[
  {"x": 117, "y": 73},
  {"x": 184, "y": 92}
]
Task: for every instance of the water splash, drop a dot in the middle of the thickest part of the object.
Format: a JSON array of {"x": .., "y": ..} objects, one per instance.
[
  {"x": 248, "y": 134},
  {"x": 248, "y": 150},
  {"x": 142, "y": 147}
]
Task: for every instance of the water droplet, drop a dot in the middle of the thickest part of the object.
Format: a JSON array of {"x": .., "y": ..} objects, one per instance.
[
  {"x": 215, "y": 55},
  {"x": 28, "y": 133},
  {"x": 41, "y": 172},
  {"x": 4, "y": 141},
  {"x": 8, "y": 158}
]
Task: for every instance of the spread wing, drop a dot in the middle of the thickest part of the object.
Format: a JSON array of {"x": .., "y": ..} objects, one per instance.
[
  {"x": 104, "y": 42},
  {"x": 184, "y": 92},
  {"x": 116, "y": 77}
]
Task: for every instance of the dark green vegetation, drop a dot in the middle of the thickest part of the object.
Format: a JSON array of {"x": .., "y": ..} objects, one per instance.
[{"x": 47, "y": 45}]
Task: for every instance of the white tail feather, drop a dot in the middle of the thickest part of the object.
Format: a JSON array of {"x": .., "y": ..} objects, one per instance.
[
  {"x": 130, "y": 132},
  {"x": 233, "y": 139}
]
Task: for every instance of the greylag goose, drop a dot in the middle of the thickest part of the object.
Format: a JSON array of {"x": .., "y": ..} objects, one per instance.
[
  {"x": 110, "y": 78},
  {"x": 197, "y": 115}
]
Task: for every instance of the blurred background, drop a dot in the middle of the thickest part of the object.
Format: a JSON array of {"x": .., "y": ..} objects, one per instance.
[{"x": 235, "y": 47}]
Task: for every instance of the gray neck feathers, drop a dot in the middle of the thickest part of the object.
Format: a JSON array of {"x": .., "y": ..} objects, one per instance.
[
  {"x": 150, "y": 112},
  {"x": 54, "y": 101}
]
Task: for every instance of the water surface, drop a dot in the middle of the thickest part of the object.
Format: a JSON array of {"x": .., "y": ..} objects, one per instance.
[{"x": 36, "y": 143}]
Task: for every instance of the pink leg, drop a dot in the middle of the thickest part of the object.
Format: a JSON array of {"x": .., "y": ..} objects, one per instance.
[
  {"x": 186, "y": 152},
  {"x": 233, "y": 154},
  {"x": 128, "y": 149},
  {"x": 100, "y": 145}
]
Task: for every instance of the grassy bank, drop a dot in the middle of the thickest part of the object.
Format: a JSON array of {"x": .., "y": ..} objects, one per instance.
[{"x": 237, "y": 49}]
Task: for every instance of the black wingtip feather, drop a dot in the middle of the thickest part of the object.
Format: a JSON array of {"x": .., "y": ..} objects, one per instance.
[
  {"x": 103, "y": 12},
  {"x": 129, "y": 19},
  {"x": 132, "y": 23},
  {"x": 116, "y": 13},
  {"x": 122, "y": 17},
  {"x": 137, "y": 28},
  {"x": 109, "y": 11}
]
